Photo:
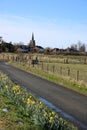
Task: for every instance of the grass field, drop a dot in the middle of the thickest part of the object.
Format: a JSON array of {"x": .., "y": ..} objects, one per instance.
[{"x": 67, "y": 70}]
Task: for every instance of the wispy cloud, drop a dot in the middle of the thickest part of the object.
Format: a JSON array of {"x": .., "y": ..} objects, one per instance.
[{"x": 51, "y": 32}]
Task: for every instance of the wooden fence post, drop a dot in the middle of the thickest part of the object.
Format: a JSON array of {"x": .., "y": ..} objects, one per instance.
[
  {"x": 61, "y": 70},
  {"x": 7, "y": 57},
  {"x": 68, "y": 71},
  {"x": 42, "y": 65},
  {"x": 38, "y": 65},
  {"x": 47, "y": 67},
  {"x": 29, "y": 62},
  {"x": 84, "y": 60},
  {"x": 53, "y": 68},
  {"x": 77, "y": 75},
  {"x": 33, "y": 63},
  {"x": 3, "y": 56}
]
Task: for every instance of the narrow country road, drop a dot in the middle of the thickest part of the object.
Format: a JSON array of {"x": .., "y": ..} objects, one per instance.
[{"x": 68, "y": 101}]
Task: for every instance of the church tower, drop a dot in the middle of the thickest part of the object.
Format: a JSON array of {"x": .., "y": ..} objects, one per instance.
[{"x": 32, "y": 42}]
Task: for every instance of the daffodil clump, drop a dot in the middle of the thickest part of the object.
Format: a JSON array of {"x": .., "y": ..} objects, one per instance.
[{"x": 38, "y": 113}]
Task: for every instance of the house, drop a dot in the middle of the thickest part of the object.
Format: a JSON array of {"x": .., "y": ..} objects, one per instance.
[
  {"x": 23, "y": 50},
  {"x": 5, "y": 46},
  {"x": 71, "y": 51},
  {"x": 39, "y": 49},
  {"x": 55, "y": 51}
]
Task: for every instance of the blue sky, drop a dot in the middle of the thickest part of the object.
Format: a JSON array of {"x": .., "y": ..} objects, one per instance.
[{"x": 55, "y": 23}]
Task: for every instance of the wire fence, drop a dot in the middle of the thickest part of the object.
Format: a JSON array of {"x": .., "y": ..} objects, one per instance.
[
  {"x": 51, "y": 66},
  {"x": 78, "y": 75}
]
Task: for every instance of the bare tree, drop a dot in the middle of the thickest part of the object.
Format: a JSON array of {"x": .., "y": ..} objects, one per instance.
[
  {"x": 74, "y": 46},
  {"x": 81, "y": 46}
]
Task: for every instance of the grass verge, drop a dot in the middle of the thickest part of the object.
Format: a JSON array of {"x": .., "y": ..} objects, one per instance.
[
  {"x": 20, "y": 110},
  {"x": 11, "y": 117}
]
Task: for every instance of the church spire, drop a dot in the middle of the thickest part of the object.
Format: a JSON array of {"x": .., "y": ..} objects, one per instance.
[
  {"x": 32, "y": 36},
  {"x": 32, "y": 41}
]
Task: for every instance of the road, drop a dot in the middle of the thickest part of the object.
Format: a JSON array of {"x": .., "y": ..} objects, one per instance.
[{"x": 73, "y": 105}]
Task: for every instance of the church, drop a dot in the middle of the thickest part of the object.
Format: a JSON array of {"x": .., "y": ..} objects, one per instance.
[
  {"x": 33, "y": 47},
  {"x": 32, "y": 42}
]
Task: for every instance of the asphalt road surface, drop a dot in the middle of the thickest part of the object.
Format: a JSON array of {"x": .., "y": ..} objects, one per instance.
[{"x": 69, "y": 104}]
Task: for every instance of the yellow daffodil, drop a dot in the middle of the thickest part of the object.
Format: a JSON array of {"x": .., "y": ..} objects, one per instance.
[
  {"x": 53, "y": 113},
  {"x": 33, "y": 102},
  {"x": 45, "y": 114},
  {"x": 30, "y": 97},
  {"x": 6, "y": 86},
  {"x": 51, "y": 119},
  {"x": 16, "y": 89},
  {"x": 40, "y": 103}
]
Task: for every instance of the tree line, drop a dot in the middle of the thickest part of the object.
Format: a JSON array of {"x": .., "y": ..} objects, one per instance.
[{"x": 9, "y": 47}]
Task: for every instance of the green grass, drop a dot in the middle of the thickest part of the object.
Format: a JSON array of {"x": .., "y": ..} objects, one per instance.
[{"x": 13, "y": 119}]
